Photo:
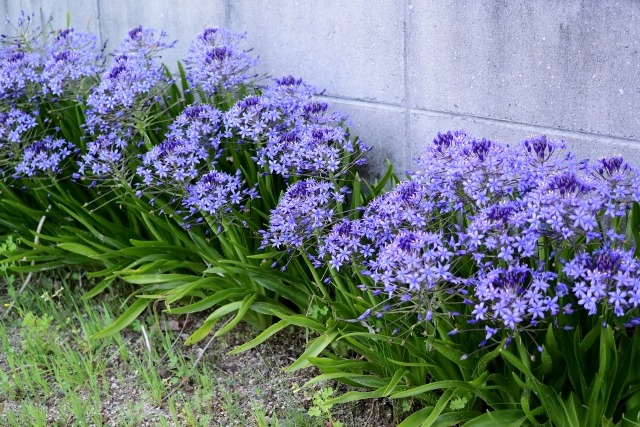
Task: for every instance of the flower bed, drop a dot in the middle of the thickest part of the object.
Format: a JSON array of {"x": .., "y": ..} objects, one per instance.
[{"x": 496, "y": 284}]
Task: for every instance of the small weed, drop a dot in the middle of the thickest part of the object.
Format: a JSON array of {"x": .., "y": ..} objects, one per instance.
[{"x": 322, "y": 408}]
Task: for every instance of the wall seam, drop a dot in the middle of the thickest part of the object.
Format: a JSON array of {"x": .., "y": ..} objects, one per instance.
[
  {"x": 466, "y": 116},
  {"x": 523, "y": 125},
  {"x": 6, "y": 16},
  {"x": 406, "y": 101},
  {"x": 227, "y": 13},
  {"x": 101, "y": 39}
]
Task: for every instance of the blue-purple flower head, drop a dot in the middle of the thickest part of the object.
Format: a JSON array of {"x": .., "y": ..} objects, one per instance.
[
  {"x": 344, "y": 244},
  {"x": 128, "y": 77},
  {"x": 217, "y": 194},
  {"x": 216, "y": 62},
  {"x": 19, "y": 69},
  {"x": 172, "y": 163},
  {"x": 199, "y": 123},
  {"x": 313, "y": 150},
  {"x": 20, "y": 58},
  {"x": 617, "y": 182},
  {"x": 71, "y": 56},
  {"x": 128, "y": 85},
  {"x": 144, "y": 41},
  {"x": 105, "y": 155},
  {"x": 489, "y": 207},
  {"x": 409, "y": 206},
  {"x": 14, "y": 123},
  {"x": 541, "y": 148},
  {"x": 44, "y": 157},
  {"x": 252, "y": 119},
  {"x": 514, "y": 297},
  {"x": 306, "y": 209},
  {"x": 192, "y": 142},
  {"x": 289, "y": 95},
  {"x": 413, "y": 262},
  {"x": 609, "y": 277}
]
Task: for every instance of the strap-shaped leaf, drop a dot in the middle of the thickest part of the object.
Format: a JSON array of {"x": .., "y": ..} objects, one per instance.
[
  {"x": 313, "y": 349},
  {"x": 124, "y": 320}
]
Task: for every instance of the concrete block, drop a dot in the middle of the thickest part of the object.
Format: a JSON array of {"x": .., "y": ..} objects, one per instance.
[
  {"x": 182, "y": 21},
  {"x": 352, "y": 49},
  {"x": 425, "y": 126},
  {"x": 570, "y": 65},
  {"x": 380, "y": 127}
]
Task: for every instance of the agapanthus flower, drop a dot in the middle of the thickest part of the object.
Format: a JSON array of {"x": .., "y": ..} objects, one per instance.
[
  {"x": 13, "y": 124},
  {"x": 19, "y": 68},
  {"x": 410, "y": 206},
  {"x": 130, "y": 80},
  {"x": 512, "y": 298},
  {"x": 289, "y": 95},
  {"x": 70, "y": 56},
  {"x": 475, "y": 219},
  {"x": 129, "y": 84},
  {"x": 252, "y": 118},
  {"x": 144, "y": 41},
  {"x": 215, "y": 61},
  {"x": 413, "y": 262},
  {"x": 307, "y": 150},
  {"x": 129, "y": 76},
  {"x": 192, "y": 141},
  {"x": 616, "y": 181},
  {"x": 306, "y": 208},
  {"x": 104, "y": 156},
  {"x": 607, "y": 276},
  {"x": 44, "y": 156},
  {"x": 344, "y": 244},
  {"x": 217, "y": 194}
]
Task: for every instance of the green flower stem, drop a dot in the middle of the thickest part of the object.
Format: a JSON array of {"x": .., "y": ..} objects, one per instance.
[
  {"x": 348, "y": 296},
  {"x": 316, "y": 277}
]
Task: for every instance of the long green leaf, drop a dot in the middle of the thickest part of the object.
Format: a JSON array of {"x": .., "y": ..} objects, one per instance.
[
  {"x": 79, "y": 249},
  {"x": 124, "y": 320},
  {"x": 262, "y": 337},
  {"x": 313, "y": 349},
  {"x": 246, "y": 304},
  {"x": 211, "y": 321}
]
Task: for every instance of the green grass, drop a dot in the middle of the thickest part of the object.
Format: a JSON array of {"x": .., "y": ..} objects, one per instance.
[{"x": 53, "y": 374}]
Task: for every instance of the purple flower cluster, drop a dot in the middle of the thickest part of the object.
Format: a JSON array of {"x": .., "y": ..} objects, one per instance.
[
  {"x": 127, "y": 78},
  {"x": 215, "y": 62},
  {"x": 72, "y": 55},
  {"x": 486, "y": 221},
  {"x": 306, "y": 208},
  {"x": 251, "y": 119},
  {"x": 295, "y": 134},
  {"x": 104, "y": 156},
  {"x": 128, "y": 85},
  {"x": 413, "y": 263},
  {"x": 144, "y": 41},
  {"x": 610, "y": 276},
  {"x": 344, "y": 244},
  {"x": 20, "y": 58},
  {"x": 19, "y": 69},
  {"x": 288, "y": 95},
  {"x": 514, "y": 297},
  {"x": 193, "y": 141},
  {"x": 313, "y": 150},
  {"x": 13, "y": 124},
  {"x": 216, "y": 194},
  {"x": 34, "y": 64},
  {"x": 44, "y": 156}
]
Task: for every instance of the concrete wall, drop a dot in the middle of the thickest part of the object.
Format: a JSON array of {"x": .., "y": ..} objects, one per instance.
[{"x": 407, "y": 69}]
